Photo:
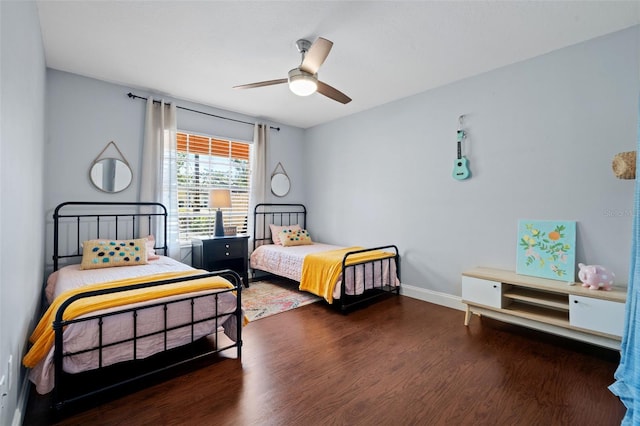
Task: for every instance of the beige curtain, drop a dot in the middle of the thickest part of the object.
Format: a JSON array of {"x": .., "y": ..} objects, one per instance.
[
  {"x": 158, "y": 172},
  {"x": 258, "y": 173}
]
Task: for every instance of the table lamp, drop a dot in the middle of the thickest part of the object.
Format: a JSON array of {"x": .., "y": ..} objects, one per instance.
[{"x": 219, "y": 198}]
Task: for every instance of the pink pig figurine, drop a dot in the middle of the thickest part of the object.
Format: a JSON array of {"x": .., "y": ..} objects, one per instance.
[{"x": 595, "y": 276}]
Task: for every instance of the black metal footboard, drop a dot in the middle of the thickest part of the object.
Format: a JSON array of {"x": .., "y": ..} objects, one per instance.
[
  {"x": 65, "y": 393},
  {"x": 377, "y": 277}
]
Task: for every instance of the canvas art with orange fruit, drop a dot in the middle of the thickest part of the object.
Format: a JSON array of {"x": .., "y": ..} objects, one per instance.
[{"x": 547, "y": 249}]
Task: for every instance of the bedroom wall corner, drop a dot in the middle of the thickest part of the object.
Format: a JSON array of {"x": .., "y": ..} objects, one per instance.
[{"x": 22, "y": 144}]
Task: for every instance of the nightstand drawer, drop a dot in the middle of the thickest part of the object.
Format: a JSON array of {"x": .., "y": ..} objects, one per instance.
[{"x": 222, "y": 249}]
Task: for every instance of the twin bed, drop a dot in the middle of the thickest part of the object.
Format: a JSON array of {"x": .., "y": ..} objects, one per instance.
[
  {"x": 102, "y": 317},
  {"x": 343, "y": 276}
]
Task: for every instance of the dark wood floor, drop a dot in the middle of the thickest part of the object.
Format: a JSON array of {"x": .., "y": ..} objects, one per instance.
[{"x": 400, "y": 361}]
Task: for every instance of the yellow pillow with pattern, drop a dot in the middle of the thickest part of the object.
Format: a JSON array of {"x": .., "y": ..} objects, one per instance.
[
  {"x": 110, "y": 253},
  {"x": 276, "y": 229},
  {"x": 291, "y": 237}
]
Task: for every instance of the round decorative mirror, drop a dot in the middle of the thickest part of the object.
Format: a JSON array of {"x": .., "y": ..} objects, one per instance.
[
  {"x": 110, "y": 175},
  {"x": 280, "y": 184}
]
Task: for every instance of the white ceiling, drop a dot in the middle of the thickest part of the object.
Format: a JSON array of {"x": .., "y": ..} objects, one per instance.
[{"x": 383, "y": 50}]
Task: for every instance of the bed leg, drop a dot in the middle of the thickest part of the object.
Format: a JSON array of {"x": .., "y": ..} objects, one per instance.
[{"x": 467, "y": 316}]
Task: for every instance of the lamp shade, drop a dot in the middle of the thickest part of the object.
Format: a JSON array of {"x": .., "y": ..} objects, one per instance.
[{"x": 220, "y": 198}]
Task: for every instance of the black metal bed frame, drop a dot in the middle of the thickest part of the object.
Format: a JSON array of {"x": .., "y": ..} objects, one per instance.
[
  {"x": 158, "y": 212},
  {"x": 117, "y": 230},
  {"x": 265, "y": 214}
]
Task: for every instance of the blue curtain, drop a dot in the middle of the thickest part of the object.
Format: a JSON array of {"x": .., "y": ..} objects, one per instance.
[{"x": 627, "y": 384}]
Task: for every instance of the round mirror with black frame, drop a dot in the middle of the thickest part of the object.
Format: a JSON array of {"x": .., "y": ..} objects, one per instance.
[{"x": 280, "y": 183}]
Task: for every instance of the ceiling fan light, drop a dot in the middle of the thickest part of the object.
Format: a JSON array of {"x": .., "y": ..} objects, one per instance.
[{"x": 302, "y": 83}]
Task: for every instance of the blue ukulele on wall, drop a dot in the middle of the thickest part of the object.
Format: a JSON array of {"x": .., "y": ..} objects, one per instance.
[{"x": 461, "y": 165}]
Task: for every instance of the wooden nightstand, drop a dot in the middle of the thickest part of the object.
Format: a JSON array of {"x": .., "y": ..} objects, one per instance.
[{"x": 216, "y": 253}]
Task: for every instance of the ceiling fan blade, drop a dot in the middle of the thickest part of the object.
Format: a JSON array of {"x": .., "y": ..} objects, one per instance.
[
  {"x": 330, "y": 92},
  {"x": 261, "y": 84},
  {"x": 316, "y": 55}
]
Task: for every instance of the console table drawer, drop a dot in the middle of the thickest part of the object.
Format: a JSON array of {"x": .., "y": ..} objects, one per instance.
[
  {"x": 482, "y": 292},
  {"x": 603, "y": 316}
]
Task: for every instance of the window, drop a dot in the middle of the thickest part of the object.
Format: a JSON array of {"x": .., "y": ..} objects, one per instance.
[{"x": 205, "y": 163}]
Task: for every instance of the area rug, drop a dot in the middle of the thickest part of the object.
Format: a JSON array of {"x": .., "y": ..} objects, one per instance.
[{"x": 270, "y": 297}]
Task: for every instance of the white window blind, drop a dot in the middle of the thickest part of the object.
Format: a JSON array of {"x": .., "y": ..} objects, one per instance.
[{"x": 206, "y": 163}]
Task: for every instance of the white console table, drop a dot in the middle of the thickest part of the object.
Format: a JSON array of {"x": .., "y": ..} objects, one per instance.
[{"x": 593, "y": 316}]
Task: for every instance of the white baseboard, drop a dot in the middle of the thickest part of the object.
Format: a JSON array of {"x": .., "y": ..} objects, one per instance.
[
  {"x": 21, "y": 405},
  {"x": 431, "y": 296}
]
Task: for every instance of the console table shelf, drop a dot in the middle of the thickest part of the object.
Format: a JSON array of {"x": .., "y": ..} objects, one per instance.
[
  {"x": 594, "y": 316},
  {"x": 550, "y": 300},
  {"x": 539, "y": 313}
]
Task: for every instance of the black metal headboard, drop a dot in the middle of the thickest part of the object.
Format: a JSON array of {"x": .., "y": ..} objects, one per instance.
[
  {"x": 78, "y": 221},
  {"x": 266, "y": 214}
]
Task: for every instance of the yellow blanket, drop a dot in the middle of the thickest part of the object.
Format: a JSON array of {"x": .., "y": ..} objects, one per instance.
[
  {"x": 43, "y": 335},
  {"x": 321, "y": 271}
]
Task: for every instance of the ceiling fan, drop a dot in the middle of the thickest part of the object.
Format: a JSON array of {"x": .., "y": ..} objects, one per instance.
[{"x": 303, "y": 80}]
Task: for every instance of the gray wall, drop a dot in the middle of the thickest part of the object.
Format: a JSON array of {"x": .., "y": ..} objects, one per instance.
[
  {"x": 22, "y": 128},
  {"x": 541, "y": 138},
  {"x": 84, "y": 114}
]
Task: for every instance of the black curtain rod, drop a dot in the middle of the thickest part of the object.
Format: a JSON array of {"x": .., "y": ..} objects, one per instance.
[{"x": 132, "y": 96}]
